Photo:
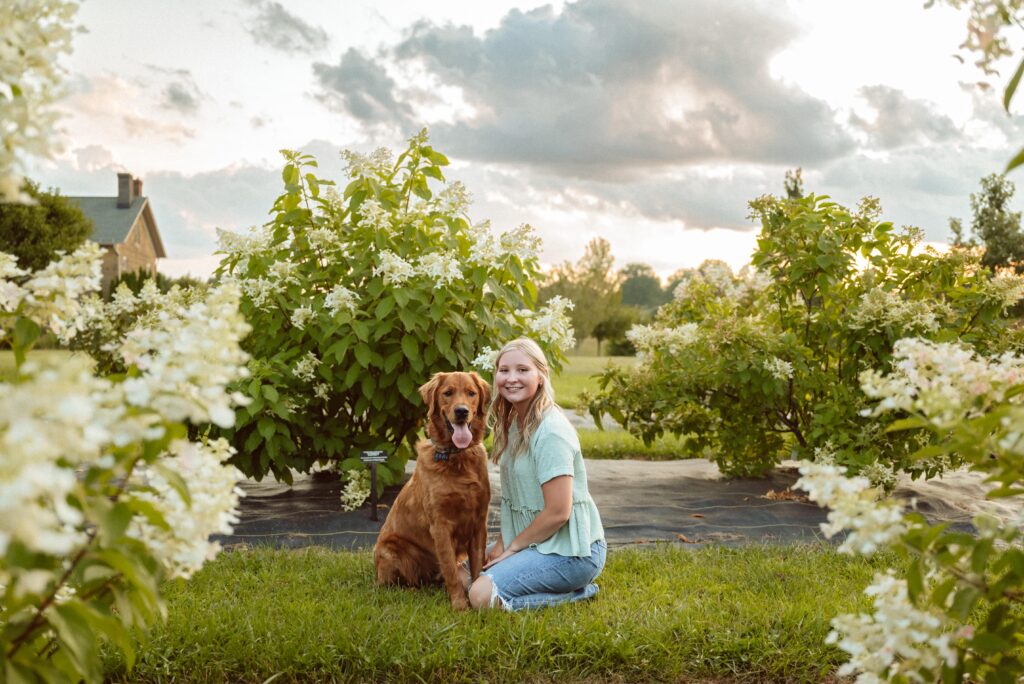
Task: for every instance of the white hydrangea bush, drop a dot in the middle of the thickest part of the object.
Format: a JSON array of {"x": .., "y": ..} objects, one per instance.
[
  {"x": 101, "y": 493},
  {"x": 33, "y": 36},
  {"x": 765, "y": 363},
  {"x": 359, "y": 296},
  {"x": 955, "y": 614}
]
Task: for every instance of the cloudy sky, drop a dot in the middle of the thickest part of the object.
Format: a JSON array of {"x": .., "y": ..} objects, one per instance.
[{"x": 650, "y": 123}]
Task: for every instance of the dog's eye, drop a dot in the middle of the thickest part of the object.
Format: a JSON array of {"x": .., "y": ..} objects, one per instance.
[
  {"x": 471, "y": 393},
  {"x": 449, "y": 393}
]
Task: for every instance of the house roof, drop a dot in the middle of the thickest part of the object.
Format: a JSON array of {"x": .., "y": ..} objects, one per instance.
[{"x": 111, "y": 225}]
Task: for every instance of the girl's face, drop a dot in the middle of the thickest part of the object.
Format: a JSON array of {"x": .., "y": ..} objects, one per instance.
[{"x": 517, "y": 379}]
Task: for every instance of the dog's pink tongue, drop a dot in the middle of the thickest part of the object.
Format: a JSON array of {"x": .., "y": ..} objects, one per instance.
[{"x": 462, "y": 436}]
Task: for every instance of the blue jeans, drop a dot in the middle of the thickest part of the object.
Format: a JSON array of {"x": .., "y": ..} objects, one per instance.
[{"x": 531, "y": 579}]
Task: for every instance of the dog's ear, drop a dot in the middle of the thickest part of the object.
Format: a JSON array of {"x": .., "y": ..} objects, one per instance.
[
  {"x": 484, "y": 392},
  {"x": 429, "y": 390}
]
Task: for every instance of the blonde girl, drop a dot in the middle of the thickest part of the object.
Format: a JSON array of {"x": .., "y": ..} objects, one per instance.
[{"x": 552, "y": 543}]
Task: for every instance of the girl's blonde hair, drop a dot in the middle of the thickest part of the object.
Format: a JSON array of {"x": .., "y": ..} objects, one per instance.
[{"x": 503, "y": 412}]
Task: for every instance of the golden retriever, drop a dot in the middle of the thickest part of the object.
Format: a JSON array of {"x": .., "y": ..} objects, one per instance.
[{"x": 440, "y": 516}]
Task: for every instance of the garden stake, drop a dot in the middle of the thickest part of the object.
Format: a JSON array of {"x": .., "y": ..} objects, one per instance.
[{"x": 372, "y": 458}]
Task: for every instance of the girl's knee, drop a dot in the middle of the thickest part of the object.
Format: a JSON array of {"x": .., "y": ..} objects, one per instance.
[{"x": 480, "y": 592}]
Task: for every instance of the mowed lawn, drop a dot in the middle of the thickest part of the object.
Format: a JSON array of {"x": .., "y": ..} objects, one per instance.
[
  {"x": 663, "y": 614},
  {"x": 580, "y": 373}
]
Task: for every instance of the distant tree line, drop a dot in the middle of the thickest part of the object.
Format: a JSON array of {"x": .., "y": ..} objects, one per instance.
[{"x": 607, "y": 301}]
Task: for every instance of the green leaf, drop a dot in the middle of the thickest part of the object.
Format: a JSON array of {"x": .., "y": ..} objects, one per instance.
[
  {"x": 420, "y": 189},
  {"x": 1011, "y": 87},
  {"x": 26, "y": 332},
  {"x": 107, "y": 625},
  {"x": 362, "y": 330},
  {"x": 290, "y": 174},
  {"x": 384, "y": 307},
  {"x": 437, "y": 158},
  {"x": 271, "y": 393},
  {"x": 392, "y": 361},
  {"x": 411, "y": 347},
  {"x": 174, "y": 479},
  {"x": 352, "y": 374},
  {"x": 1015, "y": 162},
  {"x": 74, "y": 632},
  {"x": 132, "y": 569},
  {"x": 406, "y": 386},
  {"x": 314, "y": 185},
  {"x": 987, "y": 642},
  {"x": 443, "y": 339},
  {"x": 363, "y": 353},
  {"x": 267, "y": 427},
  {"x": 114, "y": 521}
]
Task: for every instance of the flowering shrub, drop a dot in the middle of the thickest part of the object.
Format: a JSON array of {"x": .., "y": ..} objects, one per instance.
[
  {"x": 757, "y": 365},
  {"x": 101, "y": 495},
  {"x": 956, "y": 615},
  {"x": 33, "y": 34},
  {"x": 359, "y": 297},
  {"x": 103, "y": 326}
]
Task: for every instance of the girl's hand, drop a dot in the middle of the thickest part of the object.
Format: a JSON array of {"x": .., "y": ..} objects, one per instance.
[
  {"x": 497, "y": 549},
  {"x": 500, "y": 557}
]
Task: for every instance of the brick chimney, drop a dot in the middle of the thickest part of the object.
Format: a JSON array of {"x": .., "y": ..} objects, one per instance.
[
  {"x": 125, "y": 190},
  {"x": 137, "y": 187}
]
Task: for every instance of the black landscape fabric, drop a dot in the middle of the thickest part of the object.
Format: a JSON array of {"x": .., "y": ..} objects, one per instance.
[{"x": 640, "y": 503}]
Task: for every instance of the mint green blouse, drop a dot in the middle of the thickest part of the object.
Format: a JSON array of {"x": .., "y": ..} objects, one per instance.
[{"x": 554, "y": 450}]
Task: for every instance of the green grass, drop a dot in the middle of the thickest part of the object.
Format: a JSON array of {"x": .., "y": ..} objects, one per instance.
[
  {"x": 619, "y": 444},
  {"x": 577, "y": 375},
  {"x": 663, "y": 614}
]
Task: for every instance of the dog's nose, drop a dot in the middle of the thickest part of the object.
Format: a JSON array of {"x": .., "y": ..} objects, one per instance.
[{"x": 461, "y": 412}]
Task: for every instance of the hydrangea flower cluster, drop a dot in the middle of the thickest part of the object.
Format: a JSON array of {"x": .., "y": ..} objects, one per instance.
[
  {"x": 394, "y": 268},
  {"x": 854, "y": 506},
  {"x": 54, "y": 296},
  {"x": 58, "y": 417},
  {"x": 719, "y": 276},
  {"x": 356, "y": 491},
  {"x": 521, "y": 242},
  {"x": 305, "y": 368},
  {"x": 371, "y": 165},
  {"x": 33, "y": 35},
  {"x": 341, "y": 298},
  {"x": 647, "y": 338},
  {"x": 944, "y": 382},
  {"x": 184, "y": 546},
  {"x": 779, "y": 369},
  {"x": 486, "y": 359},
  {"x": 1005, "y": 288},
  {"x": 896, "y": 640},
  {"x": 880, "y": 308},
  {"x": 188, "y": 361},
  {"x": 551, "y": 323},
  {"x": 441, "y": 268}
]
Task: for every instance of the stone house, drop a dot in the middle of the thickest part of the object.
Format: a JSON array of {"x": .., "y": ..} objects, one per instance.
[{"x": 124, "y": 226}]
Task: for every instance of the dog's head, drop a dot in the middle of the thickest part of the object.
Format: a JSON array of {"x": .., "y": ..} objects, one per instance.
[{"x": 456, "y": 406}]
